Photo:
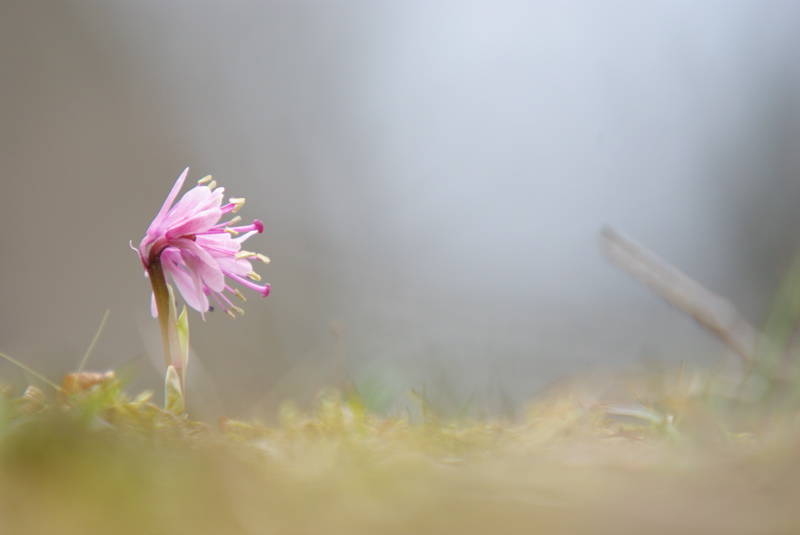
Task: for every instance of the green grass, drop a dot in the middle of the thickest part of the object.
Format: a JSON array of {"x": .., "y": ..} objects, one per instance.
[{"x": 99, "y": 462}]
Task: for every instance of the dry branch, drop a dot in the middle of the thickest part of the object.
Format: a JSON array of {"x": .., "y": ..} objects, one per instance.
[{"x": 710, "y": 310}]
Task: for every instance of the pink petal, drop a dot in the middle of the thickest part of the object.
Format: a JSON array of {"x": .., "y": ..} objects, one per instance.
[
  {"x": 197, "y": 199},
  {"x": 243, "y": 237},
  {"x": 170, "y": 199},
  {"x": 237, "y": 267},
  {"x": 198, "y": 223},
  {"x": 219, "y": 244},
  {"x": 190, "y": 289},
  {"x": 199, "y": 261}
]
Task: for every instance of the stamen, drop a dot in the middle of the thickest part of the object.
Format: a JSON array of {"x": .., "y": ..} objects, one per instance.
[
  {"x": 231, "y": 232},
  {"x": 212, "y": 184},
  {"x": 249, "y": 229},
  {"x": 262, "y": 258},
  {"x": 237, "y": 310},
  {"x": 239, "y": 294},
  {"x": 244, "y": 254},
  {"x": 234, "y": 220},
  {"x": 238, "y": 202},
  {"x": 263, "y": 290},
  {"x": 229, "y": 313},
  {"x": 254, "y": 276},
  {"x": 205, "y": 180},
  {"x": 219, "y": 296}
]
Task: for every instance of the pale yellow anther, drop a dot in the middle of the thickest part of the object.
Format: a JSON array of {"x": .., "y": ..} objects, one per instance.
[
  {"x": 254, "y": 276},
  {"x": 262, "y": 258},
  {"x": 244, "y": 254},
  {"x": 231, "y": 231},
  {"x": 205, "y": 180},
  {"x": 212, "y": 184},
  {"x": 237, "y": 310},
  {"x": 231, "y": 314},
  {"x": 238, "y": 202},
  {"x": 235, "y": 220},
  {"x": 239, "y": 294}
]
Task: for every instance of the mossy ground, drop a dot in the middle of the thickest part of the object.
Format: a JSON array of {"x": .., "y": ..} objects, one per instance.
[{"x": 99, "y": 462}]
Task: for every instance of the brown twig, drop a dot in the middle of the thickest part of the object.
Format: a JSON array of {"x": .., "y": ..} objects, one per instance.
[{"x": 710, "y": 310}]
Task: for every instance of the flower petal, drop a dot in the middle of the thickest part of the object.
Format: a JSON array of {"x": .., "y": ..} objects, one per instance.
[
  {"x": 170, "y": 199},
  {"x": 191, "y": 289},
  {"x": 197, "y": 199},
  {"x": 199, "y": 261},
  {"x": 199, "y": 222}
]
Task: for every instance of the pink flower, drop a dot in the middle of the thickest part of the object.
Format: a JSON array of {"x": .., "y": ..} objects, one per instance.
[{"x": 198, "y": 253}]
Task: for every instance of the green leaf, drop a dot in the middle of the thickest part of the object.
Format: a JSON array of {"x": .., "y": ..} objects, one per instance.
[
  {"x": 173, "y": 401},
  {"x": 183, "y": 340}
]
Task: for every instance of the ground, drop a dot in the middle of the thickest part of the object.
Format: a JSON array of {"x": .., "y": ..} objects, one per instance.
[{"x": 97, "y": 461}]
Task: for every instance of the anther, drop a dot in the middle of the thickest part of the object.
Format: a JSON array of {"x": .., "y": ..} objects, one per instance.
[
  {"x": 205, "y": 180},
  {"x": 231, "y": 231},
  {"x": 262, "y": 258},
  {"x": 234, "y": 220},
  {"x": 254, "y": 276},
  {"x": 239, "y": 294},
  {"x": 231, "y": 314},
  {"x": 238, "y": 202},
  {"x": 212, "y": 184},
  {"x": 244, "y": 254},
  {"x": 237, "y": 310}
]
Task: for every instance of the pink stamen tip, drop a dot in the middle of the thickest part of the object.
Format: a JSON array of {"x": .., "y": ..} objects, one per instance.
[
  {"x": 267, "y": 288},
  {"x": 259, "y": 225}
]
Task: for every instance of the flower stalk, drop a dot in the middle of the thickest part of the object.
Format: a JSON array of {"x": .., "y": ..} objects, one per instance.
[{"x": 161, "y": 294}]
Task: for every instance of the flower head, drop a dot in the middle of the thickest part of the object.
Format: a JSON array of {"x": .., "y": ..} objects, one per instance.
[{"x": 197, "y": 252}]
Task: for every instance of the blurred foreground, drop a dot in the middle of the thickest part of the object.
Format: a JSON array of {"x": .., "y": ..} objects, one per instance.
[{"x": 689, "y": 459}]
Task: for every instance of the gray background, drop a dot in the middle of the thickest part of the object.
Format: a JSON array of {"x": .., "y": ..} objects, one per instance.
[{"x": 432, "y": 176}]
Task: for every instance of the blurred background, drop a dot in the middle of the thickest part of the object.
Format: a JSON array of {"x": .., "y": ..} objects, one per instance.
[{"x": 432, "y": 175}]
